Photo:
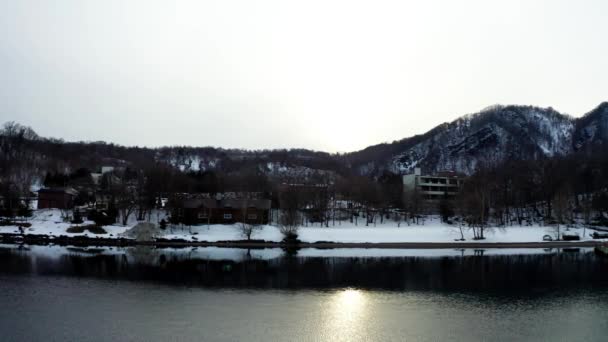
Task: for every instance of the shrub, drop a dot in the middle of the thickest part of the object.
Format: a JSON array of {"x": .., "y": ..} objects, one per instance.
[
  {"x": 25, "y": 211},
  {"x": 288, "y": 226},
  {"x": 77, "y": 218},
  {"x": 76, "y": 229},
  {"x": 7, "y": 212},
  {"x": 600, "y": 221},
  {"x": 15, "y": 223},
  {"x": 174, "y": 219},
  {"x": 102, "y": 218},
  {"x": 290, "y": 234},
  {"x": 95, "y": 229}
]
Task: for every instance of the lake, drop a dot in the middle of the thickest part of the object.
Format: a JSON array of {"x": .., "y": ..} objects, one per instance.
[{"x": 215, "y": 294}]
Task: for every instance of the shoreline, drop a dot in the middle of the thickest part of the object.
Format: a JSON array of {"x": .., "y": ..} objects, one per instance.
[{"x": 121, "y": 242}]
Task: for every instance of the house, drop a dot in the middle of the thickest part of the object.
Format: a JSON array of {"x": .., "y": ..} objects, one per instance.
[
  {"x": 433, "y": 187},
  {"x": 60, "y": 198},
  {"x": 103, "y": 200},
  {"x": 96, "y": 177},
  {"x": 107, "y": 169},
  {"x": 216, "y": 210},
  {"x": 85, "y": 186}
]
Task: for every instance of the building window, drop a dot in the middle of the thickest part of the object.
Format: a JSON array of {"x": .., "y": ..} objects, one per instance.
[
  {"x": 227, "y": 216},
  {"x": 252, "y": 216},
  {"x": 202, "y": 215}
]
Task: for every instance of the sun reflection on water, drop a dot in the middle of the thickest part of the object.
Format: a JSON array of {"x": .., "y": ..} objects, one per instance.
[
  {"x": 350, "y": 300},
  {"x": 346, "y": 316}
]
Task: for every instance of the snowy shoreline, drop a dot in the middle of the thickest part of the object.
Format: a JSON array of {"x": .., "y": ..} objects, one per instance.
[
  {"x": 87, "y": 241},
  {"x": 151, "y": 254},
  {"x": 47, "y": 227}
]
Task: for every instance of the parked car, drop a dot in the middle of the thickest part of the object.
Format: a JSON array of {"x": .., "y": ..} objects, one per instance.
[
  {"x": 570, "y": 236},
  {"x": 597, "y": 235}
]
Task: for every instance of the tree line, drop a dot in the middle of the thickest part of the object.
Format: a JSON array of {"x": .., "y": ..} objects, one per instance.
[
  {"x": 557, "y": 190},
  {"x": 552, "y": 191}
]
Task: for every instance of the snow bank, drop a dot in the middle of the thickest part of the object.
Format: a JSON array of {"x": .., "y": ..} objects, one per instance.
[{"x": 143, "y": 231}]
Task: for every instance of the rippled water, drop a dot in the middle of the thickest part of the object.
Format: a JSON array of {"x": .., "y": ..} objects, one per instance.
[{"x": 100, "y": 297}]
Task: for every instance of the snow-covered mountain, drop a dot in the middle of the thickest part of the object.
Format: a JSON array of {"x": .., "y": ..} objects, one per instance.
[
  {"x": 185, "y": 162},
  {"x": 489, "y": 137},
  {"x": 281, "y": 165},
  {"x": 492, "y": 136},
  {"x": 592, "y": 129}
]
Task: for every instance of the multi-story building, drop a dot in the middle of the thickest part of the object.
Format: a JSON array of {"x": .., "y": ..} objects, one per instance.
[{"x": 433, "y": 187}]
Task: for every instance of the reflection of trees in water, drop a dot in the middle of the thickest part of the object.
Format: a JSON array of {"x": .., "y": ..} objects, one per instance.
[{"x": 469, "y": 272}]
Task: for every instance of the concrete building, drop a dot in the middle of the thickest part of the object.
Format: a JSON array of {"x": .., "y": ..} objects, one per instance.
[{"x": 433, "y": 187}]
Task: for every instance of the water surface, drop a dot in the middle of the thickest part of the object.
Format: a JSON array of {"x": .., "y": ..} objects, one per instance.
[{"x": 221, "y": 295}]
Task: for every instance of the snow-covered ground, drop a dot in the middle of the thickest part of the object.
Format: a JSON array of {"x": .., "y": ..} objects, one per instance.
[
  {"x": 432, "y": 231},
  {"x": 49, "y": 222}
]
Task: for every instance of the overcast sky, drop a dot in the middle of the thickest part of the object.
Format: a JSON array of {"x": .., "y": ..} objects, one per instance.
[{"x": 326, "y": 75}]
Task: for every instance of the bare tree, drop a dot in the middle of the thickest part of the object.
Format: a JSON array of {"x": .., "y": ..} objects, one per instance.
[
  {"x": 125, "y": 198},
  {"x": 560, "y": 207},
  {"x": 247, "y": 226},
  {"x": 126, "y": 205},
  {"x": 290, "y": 216},
  {"x": 247, "y": 229},
  {"x": 66, "y": 214},
  {"x": 445, "y": 207},
  {"x": 475, "y": 199},
  {"x": 289, "y": 222},
  {"x": 413, "y": 204}
]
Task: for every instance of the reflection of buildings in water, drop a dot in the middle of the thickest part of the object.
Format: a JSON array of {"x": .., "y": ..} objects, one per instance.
[{"x": 268, "y": 268}]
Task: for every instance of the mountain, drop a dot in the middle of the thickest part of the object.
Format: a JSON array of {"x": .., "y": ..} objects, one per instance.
[
  {"x": 592, "y": 129},
  {"x": 492, "y": 136},
  {"x": 284, "y": 165},
  {"x": 489, "y": 137}
]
